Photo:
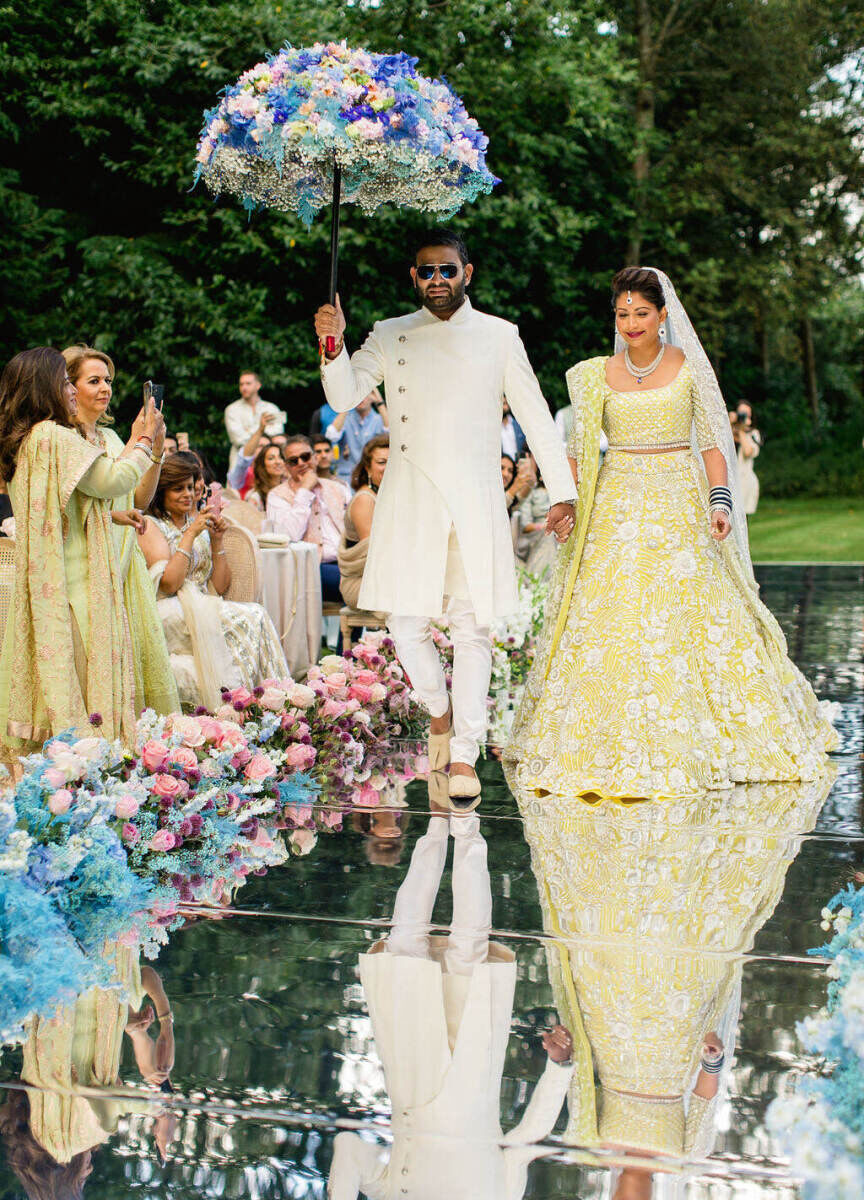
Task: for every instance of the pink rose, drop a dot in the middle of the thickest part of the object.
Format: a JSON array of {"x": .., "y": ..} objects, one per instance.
[
  {"x": 162, "y": 839},
  {"x": 184, "y": 758},
  {"x": 378, "y": 692},
  {"x": 331, "y": 664},
  {"x": 127, "y": 806},
  {"x": 299, "y": 813},
  {"x": 227, "y": 713},
  {"x": 259, "y": 767},
  {"x": 300, "y": 756},
  {"x": 89, "y": 748},
  {"x": 301, "y": 696},
  {"x": 367, "y": 797},
  {"x": 210, "y": 728},
  {"x": 242, "y": 696},
  {"x": 60, "y": 801},
  {"x": 168, "y": 787},
  {"x": 273, "y": 699},
  {"x": 130, "y": 834},
  {"x": 189, "y": 729},
  {"x": 333, "y": 708},
  {"x": 330, "y": 818},
  {"x": 361, "y": 692},
  {"x": 231, "y": 738},
  {"x": 367, "y": 677},
  {"x": 336, "y": 681},
  {"x": 210, "y": 769},
  {"x": 154, "y": 755},
  {"x": 54, "y": 777},
  {"x": 241, "y": 757},
  {"x": 302, "y": 841}
]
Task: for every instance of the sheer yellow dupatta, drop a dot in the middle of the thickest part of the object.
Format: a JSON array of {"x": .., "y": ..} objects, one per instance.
[
  {"x": 585, "y": 383},
  {"x": 41, "y": 693}
]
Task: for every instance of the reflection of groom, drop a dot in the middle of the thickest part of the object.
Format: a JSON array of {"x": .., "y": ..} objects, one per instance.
[
  {"x": 441, "y": 1008},
  {"x": 440, "y": 538}
]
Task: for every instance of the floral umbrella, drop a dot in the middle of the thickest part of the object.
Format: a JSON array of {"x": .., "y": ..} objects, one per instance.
[{"x": 315, "y": 126}]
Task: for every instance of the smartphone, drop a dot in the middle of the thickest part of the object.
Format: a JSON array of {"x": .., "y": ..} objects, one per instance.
[
  {"x": 148, "y": 391},
  {"x": 158, "y": 393},
  {"x": 215, "y": 499}
]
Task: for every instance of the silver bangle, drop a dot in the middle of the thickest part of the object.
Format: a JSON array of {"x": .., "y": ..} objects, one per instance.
[
  {"x": 186, "y": 553},
  {"x": 218, "y": 552}
]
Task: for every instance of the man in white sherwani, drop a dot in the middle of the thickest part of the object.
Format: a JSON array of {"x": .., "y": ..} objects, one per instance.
[
  {"x": 441, "y": 541},
  {"x": 441, "y": 1009}
]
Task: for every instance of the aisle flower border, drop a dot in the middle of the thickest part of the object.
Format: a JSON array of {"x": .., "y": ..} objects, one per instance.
[{"x": 820, "y": 1126}]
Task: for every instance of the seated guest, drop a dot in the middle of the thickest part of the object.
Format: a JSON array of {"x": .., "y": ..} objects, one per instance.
[
  {"x": 310, "y": 509},
  {"x": 66, "y": 651},
  {"x": 352, "y": 430},
  {"x": 212, "y": 642},
  {"x": 325, "y": 461},
  {"x": 240, "y": 472},
  {"x": 354, "y": 545},
  {"x": 268, "y": 471},
  {"x": 532, "y": 511},
  {"x": 518, "y": 480}
]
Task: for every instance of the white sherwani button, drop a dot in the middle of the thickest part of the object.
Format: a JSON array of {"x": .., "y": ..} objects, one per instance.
[
  {"x": 404, "y": 418},
  {"x": 401, "y": 362},
  {"x": 403, "y": 447},
  {"x": 402, "y": 338}
]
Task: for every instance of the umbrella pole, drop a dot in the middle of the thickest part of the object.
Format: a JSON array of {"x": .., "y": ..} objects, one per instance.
[{"x": 334, "y": 244}]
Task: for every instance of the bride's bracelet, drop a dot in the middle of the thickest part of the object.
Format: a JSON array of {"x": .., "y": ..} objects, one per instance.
[
  {"x": 712, "y": 1064},
  {"x": 720, "y": 500}
]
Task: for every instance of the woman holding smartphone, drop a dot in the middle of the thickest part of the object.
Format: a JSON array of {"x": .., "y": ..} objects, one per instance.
[
  {"x": 92, "y": 373},
  {"x": 65, "y": 651}
]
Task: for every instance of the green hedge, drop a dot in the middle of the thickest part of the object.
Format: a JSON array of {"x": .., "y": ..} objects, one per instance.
[{"x": 828, "y": 466}]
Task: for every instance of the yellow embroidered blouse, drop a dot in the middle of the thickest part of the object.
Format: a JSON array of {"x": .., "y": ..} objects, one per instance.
[{"x": 655, "y": 418}]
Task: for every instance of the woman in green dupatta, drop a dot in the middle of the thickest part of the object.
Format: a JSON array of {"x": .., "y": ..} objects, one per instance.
[
  {"x": 65, "y": 651},
  {"x": 92, "y": 373}
]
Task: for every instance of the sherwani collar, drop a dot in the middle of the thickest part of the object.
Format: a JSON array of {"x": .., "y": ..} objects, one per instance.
[{"x": 461, "y": 315}]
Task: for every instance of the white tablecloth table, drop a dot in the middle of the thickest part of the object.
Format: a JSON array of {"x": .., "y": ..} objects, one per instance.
[{"x": 290, "y": 590}]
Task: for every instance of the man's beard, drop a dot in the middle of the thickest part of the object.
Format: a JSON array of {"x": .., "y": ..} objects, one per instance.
[{"x": 453, "y": 299}]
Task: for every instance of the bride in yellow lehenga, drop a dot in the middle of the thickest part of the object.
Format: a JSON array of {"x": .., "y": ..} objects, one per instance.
[{"x": 659, "y": 672}]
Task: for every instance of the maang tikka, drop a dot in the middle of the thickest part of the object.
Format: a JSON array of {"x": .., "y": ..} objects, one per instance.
[{"x": 629, "y": 297}]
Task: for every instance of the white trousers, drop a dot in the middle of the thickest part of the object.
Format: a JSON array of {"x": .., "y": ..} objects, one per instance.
[
  {"x": 468, "y": 943},
  {"x": 472, "y": 672}
]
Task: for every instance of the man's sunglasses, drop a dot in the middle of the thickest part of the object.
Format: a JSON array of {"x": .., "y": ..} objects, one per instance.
[
  {"x": 293, "y": 459},
  {"x": 445, "y": 270}
]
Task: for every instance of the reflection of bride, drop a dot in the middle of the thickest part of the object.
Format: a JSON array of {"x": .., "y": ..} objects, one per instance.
[
  {"x": 651, "y": 908},
  {"x": 48, "y": 1128},
  {"x": 441, "y": 1009},
  {"x": 659, "y": 671}
]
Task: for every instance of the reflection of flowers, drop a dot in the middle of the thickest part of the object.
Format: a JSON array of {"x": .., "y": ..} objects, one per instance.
[{"x": 821, "y": 1125}]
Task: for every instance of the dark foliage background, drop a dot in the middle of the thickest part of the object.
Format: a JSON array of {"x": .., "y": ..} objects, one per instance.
[{"x": 719, "y": 140}]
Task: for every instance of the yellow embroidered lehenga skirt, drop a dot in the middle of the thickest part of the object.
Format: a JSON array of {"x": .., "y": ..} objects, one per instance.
[{"x": 671, "y": 677}]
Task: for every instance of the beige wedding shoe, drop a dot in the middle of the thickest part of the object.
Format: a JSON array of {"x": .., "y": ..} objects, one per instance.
[
  {"x": 439, "y": 748},
  {"x": 463, "y": 793}
]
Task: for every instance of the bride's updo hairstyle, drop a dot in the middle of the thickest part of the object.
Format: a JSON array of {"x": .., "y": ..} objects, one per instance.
[{"x": 638, "y": 279}]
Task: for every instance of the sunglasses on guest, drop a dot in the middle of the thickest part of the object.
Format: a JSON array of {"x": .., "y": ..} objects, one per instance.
[
  {"x": 445, "y": 270},
  {"x": 293, "y": 459}
]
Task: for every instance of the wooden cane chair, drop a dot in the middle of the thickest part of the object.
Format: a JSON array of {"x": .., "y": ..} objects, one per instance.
[
  {"x": 241, "y": 512},
  {"x": 356, "y": 618},
  {"x": 241, "y": 551}
]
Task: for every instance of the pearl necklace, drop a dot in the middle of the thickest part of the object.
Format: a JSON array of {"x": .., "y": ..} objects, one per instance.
[{"x": 639, "y": 373}]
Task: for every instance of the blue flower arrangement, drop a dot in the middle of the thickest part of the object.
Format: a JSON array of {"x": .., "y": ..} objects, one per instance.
[
  {"x": 398, "y": 136},
  {"x": 821, "y": 1125}
]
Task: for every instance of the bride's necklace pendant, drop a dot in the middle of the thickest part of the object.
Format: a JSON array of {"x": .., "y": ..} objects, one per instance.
[{"x": 640, "y": 373}]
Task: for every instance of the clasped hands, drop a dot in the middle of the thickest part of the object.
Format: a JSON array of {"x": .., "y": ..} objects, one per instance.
[{"x": 561, "y": 519}]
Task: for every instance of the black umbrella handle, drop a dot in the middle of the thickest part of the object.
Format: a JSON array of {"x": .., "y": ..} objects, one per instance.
[{"x": 330, "y": 342}]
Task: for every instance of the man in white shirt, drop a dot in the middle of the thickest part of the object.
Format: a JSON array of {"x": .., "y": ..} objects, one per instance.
[
  {"x": 243, "y": 416},
  {"x": 512, "y": 437},
  {"x": 310, "y": 509}
]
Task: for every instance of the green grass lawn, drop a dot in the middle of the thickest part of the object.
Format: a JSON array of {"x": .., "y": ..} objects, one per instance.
[{"x": 802, "y": 530}]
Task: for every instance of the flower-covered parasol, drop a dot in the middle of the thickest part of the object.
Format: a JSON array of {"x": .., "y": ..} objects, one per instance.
[{"x": 309, "y": 127}]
